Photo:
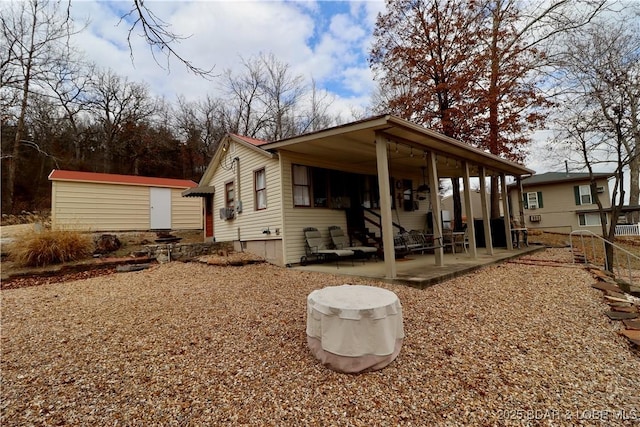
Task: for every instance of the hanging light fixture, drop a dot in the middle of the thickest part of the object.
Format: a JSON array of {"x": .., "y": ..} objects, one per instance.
[{"x": 424, "y": 188}]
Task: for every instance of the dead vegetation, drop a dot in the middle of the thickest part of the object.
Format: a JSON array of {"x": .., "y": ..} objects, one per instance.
[{"x": 45, "y": 247}]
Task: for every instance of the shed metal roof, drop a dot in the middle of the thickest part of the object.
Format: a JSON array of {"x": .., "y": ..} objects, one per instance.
[{"x": 109, "y": 178}]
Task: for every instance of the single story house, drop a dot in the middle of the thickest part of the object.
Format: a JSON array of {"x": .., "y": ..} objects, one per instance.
[
  {"x": 560, "y": 201},
  {"x": 372, "y": 175},
  {"x": 109, "y": 202}
]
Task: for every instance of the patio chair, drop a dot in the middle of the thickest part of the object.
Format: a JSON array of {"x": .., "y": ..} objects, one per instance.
[
  {"x": 317, "y": 249},
  {"x": 341, "y": 241}
]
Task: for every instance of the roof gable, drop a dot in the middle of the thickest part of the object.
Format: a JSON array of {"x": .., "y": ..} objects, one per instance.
[
  {"x": 244, "y": 141},
  {"x": 109, "y": 178}
]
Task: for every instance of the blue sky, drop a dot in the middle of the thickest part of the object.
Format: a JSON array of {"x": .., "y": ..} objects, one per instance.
[{"x": 328, "y": 41}]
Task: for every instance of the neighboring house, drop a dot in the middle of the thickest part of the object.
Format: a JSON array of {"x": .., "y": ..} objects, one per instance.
[
  {"x": 109, "y": 202},
  {"x": 368, "y": 174},
  {"x": 561, "y": 201}
]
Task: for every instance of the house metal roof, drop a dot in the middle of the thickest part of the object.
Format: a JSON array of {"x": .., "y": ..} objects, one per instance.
[
  {"x": 354, "y": 143},
  {"x": 560, "y": 177},
  {"x": 252, "y": 141},
  {"x": 109, "y": 178}
]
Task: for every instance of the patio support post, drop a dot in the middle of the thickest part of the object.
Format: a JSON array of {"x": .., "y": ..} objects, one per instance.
[
  {"x": 385, "y": 207},
  {"x": 486, "y": 217},
  {"x": 520, "y": 200},
  {"x": 436, "y": 213},
  {"x": 507, "y": 212},
  {"x": 471, "y": 229}
]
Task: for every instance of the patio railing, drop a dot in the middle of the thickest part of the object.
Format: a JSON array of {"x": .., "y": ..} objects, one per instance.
[
  {"x": 628, "y": 229},
  {"x": 592, "y": 248}
]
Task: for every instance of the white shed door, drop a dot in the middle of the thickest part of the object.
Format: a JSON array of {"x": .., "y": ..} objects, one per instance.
[{"x": 160, "y": 208}]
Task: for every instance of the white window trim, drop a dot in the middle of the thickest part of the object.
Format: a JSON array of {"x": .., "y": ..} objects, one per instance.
[
  {"x": 530, "y": 203},
  {"x": 588, "y": 223},
  {"x": 585, "y": 190}
]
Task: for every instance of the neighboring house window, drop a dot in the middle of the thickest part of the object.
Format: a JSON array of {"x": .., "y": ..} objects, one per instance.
[
  {"x": 301, "y": 186},
  {"x": 229, "y": 194},
  {"x": 533, "y": 200},
  {"x": 588, "y": 219},
  {"x": 583, "y": 194},
  {"x": 260, "y": 182}
]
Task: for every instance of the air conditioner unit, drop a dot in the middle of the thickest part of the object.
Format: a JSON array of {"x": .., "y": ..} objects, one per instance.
[
  {"x": 535, "y": 218},
  {"x": 239, "y": 206},
  {"x": 600, "y": 189},
  {"x": 226, "y": 213}
]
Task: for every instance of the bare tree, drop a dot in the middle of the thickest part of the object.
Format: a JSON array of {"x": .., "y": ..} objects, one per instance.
[
  {"x": 600, "y": 72},
  {"x": 265, "y": 99},
  {"x": 159, "y": 37},
  {"x": 36, "y": 34},
  {"x": 115, "y": 102}
]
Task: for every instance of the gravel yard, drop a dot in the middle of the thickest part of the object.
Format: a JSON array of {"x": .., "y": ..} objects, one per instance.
[{"x": 195, "y": 344}]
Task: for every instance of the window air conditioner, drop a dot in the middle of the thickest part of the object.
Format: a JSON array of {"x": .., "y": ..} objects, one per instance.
[
  {"x": 226, "y": 213},
  {"x": 600, "y": 189},
  {"x": 535, "y": 218}
]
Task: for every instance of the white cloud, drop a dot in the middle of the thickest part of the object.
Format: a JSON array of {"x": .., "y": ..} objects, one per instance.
[{"x": 330, "y": 49}]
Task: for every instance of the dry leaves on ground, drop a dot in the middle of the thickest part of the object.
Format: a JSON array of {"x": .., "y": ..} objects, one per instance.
[{"x": 195, "y": 344}]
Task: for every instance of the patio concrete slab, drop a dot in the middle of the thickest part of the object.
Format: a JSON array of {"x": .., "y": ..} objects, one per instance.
[{"x": 420, "y": 270}]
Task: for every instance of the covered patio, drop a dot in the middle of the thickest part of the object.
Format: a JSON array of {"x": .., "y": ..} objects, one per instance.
[
  {"x": 418, "y": 270},
  {"x": 387, "y": 146}
]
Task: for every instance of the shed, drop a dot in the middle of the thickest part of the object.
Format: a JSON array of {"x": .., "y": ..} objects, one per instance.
[{"x": 111, "y": 202}]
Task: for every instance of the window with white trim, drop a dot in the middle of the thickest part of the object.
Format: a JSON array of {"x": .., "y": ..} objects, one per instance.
[
  {"x": 585, "y": 195},
  {"x": 532, "y": 200},
  {"x": 589, "y": 219},
  {"x": 229, "y": 194},
  {"x": 301, "y": 186},
  {"x": 260, "y": 185}
]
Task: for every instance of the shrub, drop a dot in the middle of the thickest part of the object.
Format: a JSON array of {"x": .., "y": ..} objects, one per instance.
[{"x": 38, "y": 249}]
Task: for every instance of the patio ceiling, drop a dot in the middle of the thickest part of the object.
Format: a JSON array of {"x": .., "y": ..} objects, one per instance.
[{"x": 354, "y": 145}]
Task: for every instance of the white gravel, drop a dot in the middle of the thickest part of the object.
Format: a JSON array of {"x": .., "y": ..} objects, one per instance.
[{"x": 195, "y": 344}]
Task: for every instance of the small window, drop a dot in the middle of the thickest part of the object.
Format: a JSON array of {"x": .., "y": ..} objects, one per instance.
[
  {"x": 301, "y": 186},
  {"x": 260, "y": 185},
  {"x": 585, "y": 195},
  {"x": 532, "y": 200},
  {"x": 589, "y": 219},
  {"x": 229, "y": 194}
]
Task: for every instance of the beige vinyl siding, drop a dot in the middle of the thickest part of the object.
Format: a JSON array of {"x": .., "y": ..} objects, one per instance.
[
  {"x": 186, "y": 212},
  {"x": 99, "y": 207},
  {"x": 558, "y": 212},
  {"x": 249, "y": 224},
  {"x": 116, "y": 207}
]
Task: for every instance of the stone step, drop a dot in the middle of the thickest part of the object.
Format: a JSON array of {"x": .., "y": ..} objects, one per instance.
[
  {"x": 618, "y": 315},
  {"x": 632, "y": 335},
  {"x": 633, "y": 324},
  {"x": 604, "y": 286},
  {"x": 630, "y": 309}
]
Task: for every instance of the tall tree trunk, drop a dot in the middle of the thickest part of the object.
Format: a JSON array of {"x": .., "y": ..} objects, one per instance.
[
  {"x": 493, "y": 108},
  {"x": 634, "y": 197},
  {"x": 15, "y": 154}
]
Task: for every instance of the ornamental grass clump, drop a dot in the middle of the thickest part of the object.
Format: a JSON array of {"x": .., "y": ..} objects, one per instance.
[{"x": 37, "y": 249}]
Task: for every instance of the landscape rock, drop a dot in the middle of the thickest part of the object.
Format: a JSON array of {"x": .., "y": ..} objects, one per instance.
[{"x": 107, "y": 243}]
